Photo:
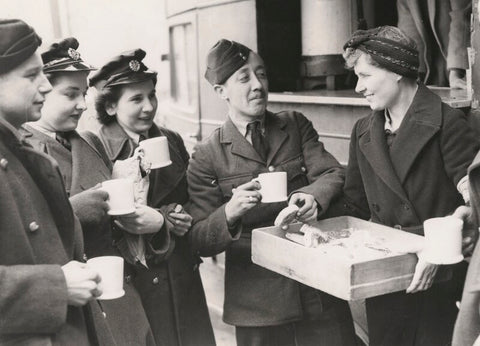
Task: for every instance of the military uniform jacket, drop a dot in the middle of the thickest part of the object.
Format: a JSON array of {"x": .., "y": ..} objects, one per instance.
[
  {"x": 255, "y": 296},
  {"x": 90, "y": 165},
  {"x": 171, "y": 289},
  {"x": 467, "y": 327},
  {"x": 38, "y": 234}
]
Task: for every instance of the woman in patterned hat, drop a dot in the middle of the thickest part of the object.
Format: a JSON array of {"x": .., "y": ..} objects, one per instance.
[
  {"x": 408, "y": 162},
  {"x": 84, "y": 164},
  {"x": 169, "y": 282}
]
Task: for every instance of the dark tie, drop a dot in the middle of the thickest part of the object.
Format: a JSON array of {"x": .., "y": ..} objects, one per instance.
[
  {"x": 62, "y": 138},
  {"x": 141, "y": 138},
  {"x": 258, "y": 142}
]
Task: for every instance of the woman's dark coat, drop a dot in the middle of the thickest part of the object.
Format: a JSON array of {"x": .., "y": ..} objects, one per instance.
[{"x": 171, "y": 289}]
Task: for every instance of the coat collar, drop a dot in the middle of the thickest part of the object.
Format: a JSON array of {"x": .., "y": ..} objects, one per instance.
[
  {"x": 116, "y": 141},
  {"x": 274, "y": 132},
  {"x": 422, "y": 121}
]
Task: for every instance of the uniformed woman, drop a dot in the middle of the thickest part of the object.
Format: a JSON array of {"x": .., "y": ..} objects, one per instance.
[
  {"x": 169, "y": 282},
  {"x": 84, "y": 164}
]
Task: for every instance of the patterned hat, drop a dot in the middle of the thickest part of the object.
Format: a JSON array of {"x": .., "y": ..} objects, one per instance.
[
  {"x": 125, "y": 68},
  {"x": 223, "y": 59},
  {"x": 18, "y": 42},
  {"x": 389, "y": 54},
  {"x": 63, "y": 57}
]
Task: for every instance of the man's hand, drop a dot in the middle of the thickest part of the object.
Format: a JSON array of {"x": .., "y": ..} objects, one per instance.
[
  {"x": 456, "y": 79},
  {"x": 144, "y": 220},
  {"x": 244, "y": 198},
  {"x": 423, "y": 277},
  {"x": 82, "y": 283},
  {"x": 90, "y": 206},
  {"x": 308, "y": 206},
  {"x": 469, "y": 232}
]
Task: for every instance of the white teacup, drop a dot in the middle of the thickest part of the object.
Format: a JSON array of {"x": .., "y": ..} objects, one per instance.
[
  {"x": 273, "y": 186},
  {"x": 120, "y": 196},
  {"x": 110, "y": 269},
  {"x": 156, "y": 151},
  {"x": 443, "y": 240}
]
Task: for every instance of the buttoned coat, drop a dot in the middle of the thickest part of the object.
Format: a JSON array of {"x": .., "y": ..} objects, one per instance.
[
  {"x": 255, "y": 296},
  {"x": 449, "y": 22},
  {"x": 415, "y": 181},
  {"x": 467, "y": 326},
  {"x": 171, "y": 289},
  {"x": 127, "y": 323},
  {"x": 38, "y": 234}
]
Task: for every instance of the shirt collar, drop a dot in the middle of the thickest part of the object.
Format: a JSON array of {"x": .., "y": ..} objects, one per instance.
[
  {"x": 135, "y": 137},
  {"x": 241, "y": 124},
  {"x": 37, "y": 127}
]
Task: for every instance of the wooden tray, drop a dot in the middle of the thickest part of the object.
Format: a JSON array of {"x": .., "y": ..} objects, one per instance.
[{"x": 339, "y": 271}]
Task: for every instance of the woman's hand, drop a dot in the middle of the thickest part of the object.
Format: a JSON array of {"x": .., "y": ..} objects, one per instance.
[
  {"x": 423, "y": 277},
  {"x": 244, "y": 198},
  {"x": 144, "y": 220},
  {"x": 181, "y": 222}
]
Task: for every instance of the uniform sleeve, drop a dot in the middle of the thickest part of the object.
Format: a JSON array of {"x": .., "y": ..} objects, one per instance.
[
  {"x": 210, "y": 233},
  {"x": 324, "y": 172},
  {"x": 353, "y": 201},
  {"x": 459, "y": 144},
  {"x": 459, "y": 34},
  {"x": 33, "y": 299}
]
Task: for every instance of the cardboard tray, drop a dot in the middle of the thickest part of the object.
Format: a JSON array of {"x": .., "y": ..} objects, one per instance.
[{"x": 340, "y": 273}]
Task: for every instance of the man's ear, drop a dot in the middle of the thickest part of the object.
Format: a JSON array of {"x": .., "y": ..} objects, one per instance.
[
  {"x": 221, "y": 91},
  {"x": 111, "y": 108}
]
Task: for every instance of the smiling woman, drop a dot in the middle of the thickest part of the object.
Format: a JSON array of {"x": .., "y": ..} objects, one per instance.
[
  {"x": 393, "y": 152},
  {"x": 168, "y": 280}
]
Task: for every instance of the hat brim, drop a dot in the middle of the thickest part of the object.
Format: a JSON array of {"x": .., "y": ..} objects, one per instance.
[
  {"x": 77, "y": 66},
  {"x": 133, "y": 78}
]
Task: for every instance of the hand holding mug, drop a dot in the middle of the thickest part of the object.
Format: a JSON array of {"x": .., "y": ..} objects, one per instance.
[
  {"x": 145, "y": 220},
  {"x": 90, "y": 206},
  {"x": 82, "y": 283},
  {"x": 244, "y": 198}
]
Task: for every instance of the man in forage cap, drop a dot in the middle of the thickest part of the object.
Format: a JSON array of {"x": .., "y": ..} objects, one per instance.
[
  {"x": 42, "y": 288},
  {"x": 266, "y": 308}
]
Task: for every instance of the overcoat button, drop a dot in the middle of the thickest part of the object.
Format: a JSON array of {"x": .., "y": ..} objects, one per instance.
[
  {"x": 397, "y": 226},
  {"x": 84, "y": 257},
  {"x": 33, "y": 226},
  {"x": 128, "y": 279},
  {"x": 304, "y": 169},
  {"x": 155, "y": 281},
  {"x": 271, "y": 168},
  {"x": 406, "y": 207},
  {"x": 3, "y": 163}
]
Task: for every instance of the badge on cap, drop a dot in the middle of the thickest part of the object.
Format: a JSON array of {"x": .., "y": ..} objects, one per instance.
[
  {"x": 134, "y": 65},
  {"x": 242, "y": 56},
  {"x": 72, "y": 53}
]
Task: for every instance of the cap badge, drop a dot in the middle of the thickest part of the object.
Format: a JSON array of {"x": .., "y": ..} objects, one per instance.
[
  {"x": 72, "y": 53},
  {"x": 242, "y": 56},
  {"x": 134, "y": 65}
]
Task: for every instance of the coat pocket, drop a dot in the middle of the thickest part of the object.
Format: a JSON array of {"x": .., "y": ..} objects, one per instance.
[
  {"x": 227, "y": 184},
  {"x": 296, "y": 172}
]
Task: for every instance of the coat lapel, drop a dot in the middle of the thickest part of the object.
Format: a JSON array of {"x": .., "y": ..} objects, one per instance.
[
  {"x": 240, "y": 146},
  {"x": 421, "y": 123},
  {"x": 276, "y": 135},
  {"x": 116, "y": 141},
  {"x": 86, "y": 170},
  {"x": 373, "y": 145}
]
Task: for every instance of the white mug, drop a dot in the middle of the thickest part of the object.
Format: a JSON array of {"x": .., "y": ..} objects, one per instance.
[
  {"x": 156, "y": 151},
  {"x": 443, "y": 240},
  {"x": 273, "y": 186},
  {"x": 121, "y": 199},
  {"x": 110, "y": 269}
]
